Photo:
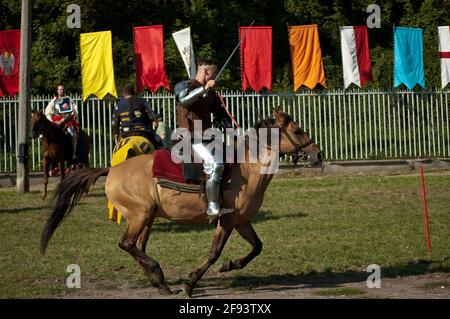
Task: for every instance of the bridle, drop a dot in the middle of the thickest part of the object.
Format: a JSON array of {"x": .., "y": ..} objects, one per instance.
[{"x": 297, "y": 148}]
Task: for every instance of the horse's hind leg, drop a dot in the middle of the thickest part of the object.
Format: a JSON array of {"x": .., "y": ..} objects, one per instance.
[
  {"x": 149, "y": 265},
  {"x": 248, "y": 233},
  {"x": 143, "y": 237},
  {"x": 223, "y": 232}
]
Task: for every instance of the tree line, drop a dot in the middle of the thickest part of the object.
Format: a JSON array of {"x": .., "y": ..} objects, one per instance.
[{"x": 55, "y": 54}]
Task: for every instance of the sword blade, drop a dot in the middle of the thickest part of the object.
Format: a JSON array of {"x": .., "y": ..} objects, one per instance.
[{"x": 232, "y": 53}]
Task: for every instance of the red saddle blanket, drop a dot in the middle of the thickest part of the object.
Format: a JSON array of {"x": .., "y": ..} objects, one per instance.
[{"x": 164, "y": 167}]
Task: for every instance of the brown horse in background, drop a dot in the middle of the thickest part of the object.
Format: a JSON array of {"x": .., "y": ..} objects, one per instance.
[
  {"x": 57, "y": 146},
  {"x": 133, "y": 190}
]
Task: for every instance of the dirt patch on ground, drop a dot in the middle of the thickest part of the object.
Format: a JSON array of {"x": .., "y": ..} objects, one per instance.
[{"x": 429, "y": 286}]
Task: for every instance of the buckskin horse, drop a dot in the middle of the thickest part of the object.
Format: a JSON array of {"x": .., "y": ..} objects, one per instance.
[
  {"x": 57, "y": 146},
  {"x": 133, "y": 190}
]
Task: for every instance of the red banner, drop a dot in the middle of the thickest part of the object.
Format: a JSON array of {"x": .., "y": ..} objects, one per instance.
[
  {"x": 363, "y": 54},
  {"x": 9, "y": 62},
  {"x": 149, "y": 58},
  {"x": 256, "y": 58}
]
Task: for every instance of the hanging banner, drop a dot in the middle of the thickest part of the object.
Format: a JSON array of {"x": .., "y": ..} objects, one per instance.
[
  {"x": 149, "y": 58},
  {"x": 256, "y": 58},
  {"x": 444, "y": 54},
  {"x": 306, "y": 56},
  {"x": 355, "y": 55},
  {"x": 97, "y": 70},
  {"x": 408, "y": 57},
  {"x": 9, "y": 62},
  {"x": 183, "y": 41}
]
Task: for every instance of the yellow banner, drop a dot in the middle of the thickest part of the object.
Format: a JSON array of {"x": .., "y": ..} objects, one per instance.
[
  {"x": 97, "y": 70},
  {"x": 306, "y": 56}
]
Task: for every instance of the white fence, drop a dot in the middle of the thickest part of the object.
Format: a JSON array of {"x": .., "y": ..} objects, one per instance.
[{"x": 348, "y": 125}]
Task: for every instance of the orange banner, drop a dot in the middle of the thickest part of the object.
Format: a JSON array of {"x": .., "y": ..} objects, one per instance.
[{"x": 306, "y": 56}]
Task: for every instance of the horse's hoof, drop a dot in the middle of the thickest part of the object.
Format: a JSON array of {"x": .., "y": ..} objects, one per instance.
[
  {"x": 188, "y": 290},
  {"x": 165, "y": 291},
  {"x": 177, "y": 291},
  {"x": 226, "y": 266}
]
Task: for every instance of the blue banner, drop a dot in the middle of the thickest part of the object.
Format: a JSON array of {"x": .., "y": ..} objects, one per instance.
[{"x": 408, "y": 57}]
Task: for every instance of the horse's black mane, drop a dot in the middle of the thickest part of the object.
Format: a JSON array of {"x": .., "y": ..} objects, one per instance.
[
  {"x": 43, "y": 126},
  {"x": 269, "y": 122},
  {"x": 38, "y": 126}
]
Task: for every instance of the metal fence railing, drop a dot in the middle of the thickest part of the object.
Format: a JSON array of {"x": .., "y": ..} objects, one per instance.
[{"x": 348, "y": 125}]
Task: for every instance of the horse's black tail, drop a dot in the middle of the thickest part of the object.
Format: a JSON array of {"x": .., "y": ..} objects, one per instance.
[{"x": 67, "y": 194}]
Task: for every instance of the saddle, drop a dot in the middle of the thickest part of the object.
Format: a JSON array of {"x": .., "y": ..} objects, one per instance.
[{"x": 184, "y": 177}]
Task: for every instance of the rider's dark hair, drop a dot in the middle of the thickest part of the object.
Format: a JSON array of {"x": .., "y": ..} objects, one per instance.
[
  {"x": 128, "y": 90},
  {"x": 207, "y": 61}
]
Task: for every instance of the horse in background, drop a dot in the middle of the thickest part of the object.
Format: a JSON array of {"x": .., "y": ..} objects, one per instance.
[{"x": 57, "y": 146}]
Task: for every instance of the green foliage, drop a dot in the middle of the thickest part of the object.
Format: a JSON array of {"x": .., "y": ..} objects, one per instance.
[{"x": 214, "y": 26}]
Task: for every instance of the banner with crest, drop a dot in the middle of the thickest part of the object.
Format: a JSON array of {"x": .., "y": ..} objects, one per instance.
[{"x": 9, "y": 62}]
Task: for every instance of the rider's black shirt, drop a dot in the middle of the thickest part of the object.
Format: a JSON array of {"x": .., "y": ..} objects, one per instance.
[{"x": 132, "y": 117}]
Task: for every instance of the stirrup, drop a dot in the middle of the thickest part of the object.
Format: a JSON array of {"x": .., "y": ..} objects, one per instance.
[{"x": 222, "y": 211}]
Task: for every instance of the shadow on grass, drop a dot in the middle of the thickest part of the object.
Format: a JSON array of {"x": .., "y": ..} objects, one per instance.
[
  {"x": 18, "y": 210},
  {"x": 327, "y": 279},
  {"x": 101, "y": 194},
  {"x": 22, "y": 209},
  {"x": 262, "y": 216}
]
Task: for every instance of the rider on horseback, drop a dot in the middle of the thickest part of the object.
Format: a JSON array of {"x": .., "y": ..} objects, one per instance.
[
  {"x": 63, "y": 112},
  {"x": 195, "y": 101},
  {"x": 132, "y": 117}
]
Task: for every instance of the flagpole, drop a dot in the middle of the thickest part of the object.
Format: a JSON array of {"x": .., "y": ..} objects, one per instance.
[
  {"x": 342, "y": 56},
  {"x": 393, "y": 62},
  {"x": 23, "y": 178},
  {"x": 232, "y": 53}
]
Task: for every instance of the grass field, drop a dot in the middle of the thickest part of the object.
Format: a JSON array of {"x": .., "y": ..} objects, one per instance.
[{"x": 316, "y": 227}]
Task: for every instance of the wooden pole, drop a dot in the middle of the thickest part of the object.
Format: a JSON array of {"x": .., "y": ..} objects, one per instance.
[{"x": 23, "y": 178}]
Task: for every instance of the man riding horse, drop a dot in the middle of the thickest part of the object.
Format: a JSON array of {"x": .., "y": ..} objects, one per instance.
[
  {"x": 133, "y": 117},
  {"x": 195, "y": 102},
  {"x": 63, "y": 112},
  {"x": 134, "y": 133}
]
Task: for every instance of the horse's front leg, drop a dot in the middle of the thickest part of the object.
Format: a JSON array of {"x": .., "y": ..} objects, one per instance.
[
  {"x": 223, "y": 231},
  {"x": 45, "y": 164},
  {"x": 248, "y": 233}
]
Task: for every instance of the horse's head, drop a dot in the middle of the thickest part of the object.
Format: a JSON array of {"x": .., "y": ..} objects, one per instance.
[
  {"x": 38, "y": 123},
  {"x": 295, "y": 141}
]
